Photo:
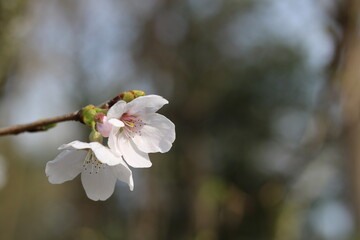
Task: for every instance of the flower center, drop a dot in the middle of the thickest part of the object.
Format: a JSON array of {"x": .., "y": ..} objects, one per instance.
[
  {"x": 92, "y": 164},
  {"x": 133, "y": 124}
]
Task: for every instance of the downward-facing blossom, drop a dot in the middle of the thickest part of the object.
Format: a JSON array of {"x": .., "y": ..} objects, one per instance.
[
  {"x": 138, "y": 130},
  {"x": 98, "y": 166}
]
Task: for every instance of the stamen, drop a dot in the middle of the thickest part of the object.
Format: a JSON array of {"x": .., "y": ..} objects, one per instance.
[
  {"x": 130, "y": 124},
  {"x": 91, "y": 159},
  {"x": 133, "y": 125}
]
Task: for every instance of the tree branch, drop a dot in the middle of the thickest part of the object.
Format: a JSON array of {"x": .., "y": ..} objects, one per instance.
[
  {"x": 45, "y": 124},
  {"x": 40, "y": 125}
]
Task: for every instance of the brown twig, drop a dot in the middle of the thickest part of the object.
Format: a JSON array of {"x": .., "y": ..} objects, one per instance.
[
  {"x": 45, "y": 124},
  {"x": 40, "y": 125}
]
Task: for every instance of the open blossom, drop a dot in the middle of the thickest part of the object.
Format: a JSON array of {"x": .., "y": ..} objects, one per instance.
[
  {"x": 98, "y": 166},
  {"x": 138, "y": 130}
]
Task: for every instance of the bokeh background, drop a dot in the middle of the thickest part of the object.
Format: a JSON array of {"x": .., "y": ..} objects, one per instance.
[{"x": 265, "y": 96}]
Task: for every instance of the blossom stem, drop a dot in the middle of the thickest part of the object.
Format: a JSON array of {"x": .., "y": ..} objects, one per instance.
[{"x": 45, "y": 124}]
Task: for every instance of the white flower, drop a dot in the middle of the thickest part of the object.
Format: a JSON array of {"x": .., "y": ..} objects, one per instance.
[
  {"x": 138, "y": 130},
  {"x": 98, "y": 166}
]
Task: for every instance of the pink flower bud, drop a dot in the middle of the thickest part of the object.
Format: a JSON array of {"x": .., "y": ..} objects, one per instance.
[
  {"x": 103, "y": 126},
  {"x": 99, "y": 117}
]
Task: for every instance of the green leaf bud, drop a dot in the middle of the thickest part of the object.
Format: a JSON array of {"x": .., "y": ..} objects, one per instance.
[
  {"x": 131, "y": 95},
  {"x": 47, "y": 127},
  {"x": 138, "y": 93}
]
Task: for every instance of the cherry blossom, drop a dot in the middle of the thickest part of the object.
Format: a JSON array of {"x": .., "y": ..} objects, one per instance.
[
  {"x": 98, "y": 165},
  {"x": 138, "y": 130}
]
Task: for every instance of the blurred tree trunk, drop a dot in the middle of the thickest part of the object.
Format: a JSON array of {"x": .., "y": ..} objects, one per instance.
[
  {"x": 10, "y": 11},
  {"x": 348, "y": 76}
]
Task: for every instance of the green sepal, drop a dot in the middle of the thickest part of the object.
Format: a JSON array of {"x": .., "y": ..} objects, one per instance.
[
  {"x": 95, "y": 136},
  {"x": 100, "y": 110}
]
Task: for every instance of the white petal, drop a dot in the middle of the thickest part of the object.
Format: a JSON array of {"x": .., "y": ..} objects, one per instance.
[
  {"x": 116, "y": 110},
  {"x": 116, "y": 122},
  {"x": 157, "y": 135},
  {"x": 113, "y": 141},
  {"x": 99, "y": 186},
  {"x": 66, "y": 166},
  {"x": 133, "y": 156},
  {"x": 104, "y": 155},
  {"x": 75, "y": 145},
  {"x": 145, "y": 104},
  {"x": 124, "y": 174}
]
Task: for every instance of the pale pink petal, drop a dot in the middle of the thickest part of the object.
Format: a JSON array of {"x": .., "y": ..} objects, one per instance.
[
  {"x": 145, "y": 104},
  {"x": 99, "y": 185},
  {"x": 133, "y": 156},
  {"x": 116, "y": 122},
  {"x": 66, "y": 166},
  {"x": 117, "y": 110},
  {"x": 104, "y": 155},
  {"x": 75, "y": 145},
  {"x": 157, "y": 135},
  {"x": 105, "y": 127}
]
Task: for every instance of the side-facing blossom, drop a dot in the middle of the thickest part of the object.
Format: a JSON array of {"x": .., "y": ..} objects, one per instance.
[
  {"x": 138, "y": 130},
  {"x": 99, "y": 167},
  {"x": 102, "y": 125}
]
